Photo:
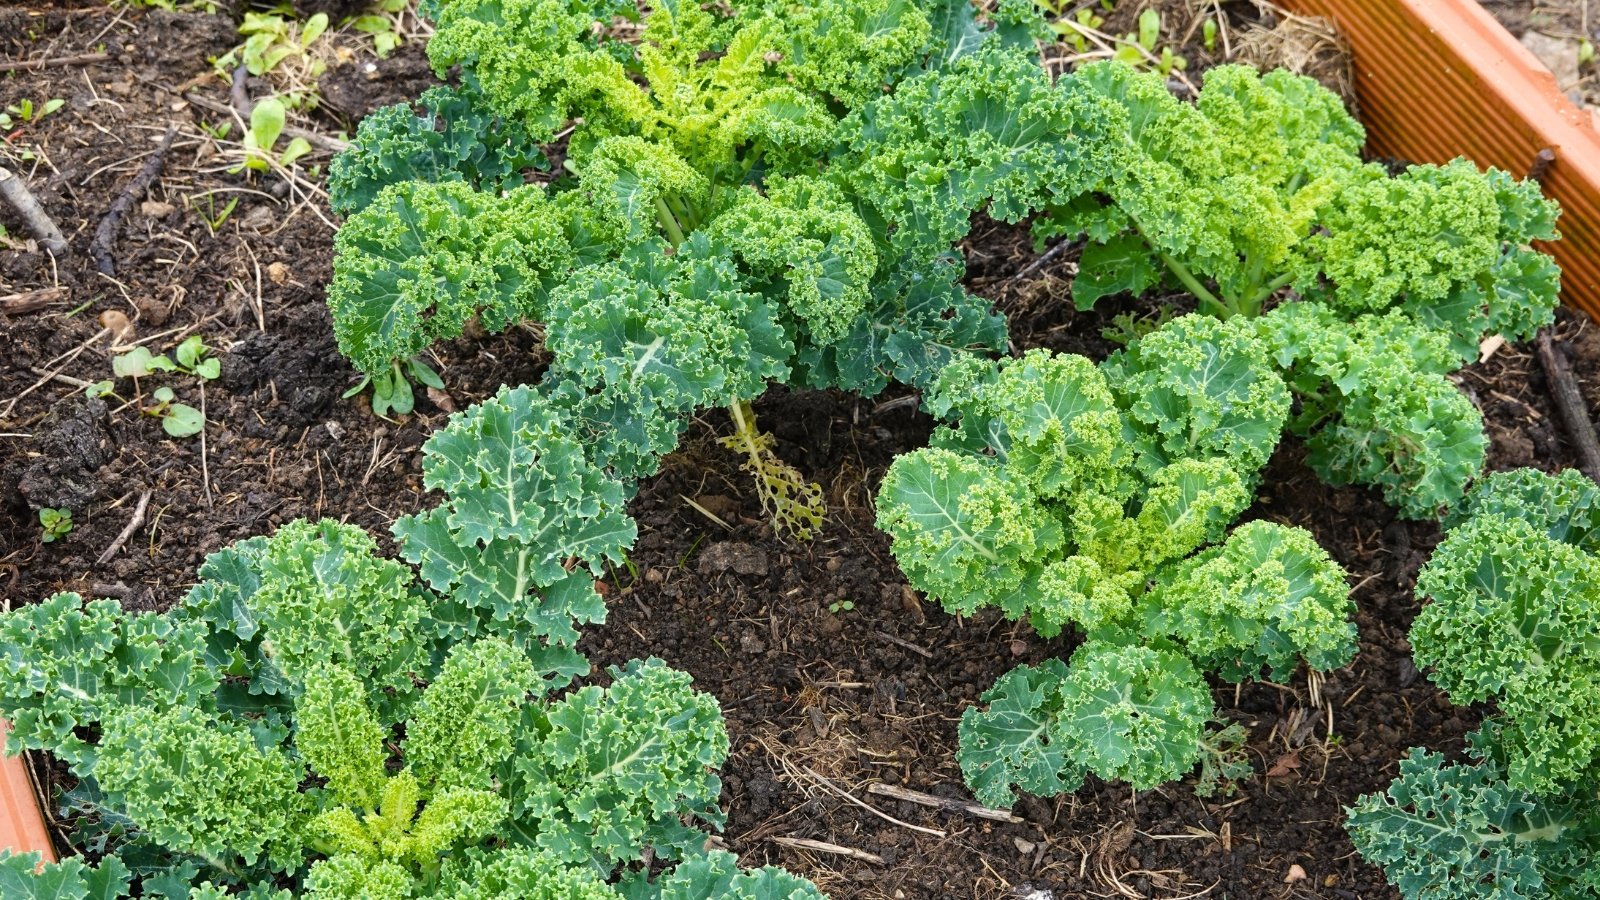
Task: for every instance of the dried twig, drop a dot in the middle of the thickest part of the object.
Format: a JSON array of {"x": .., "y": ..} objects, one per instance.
[
  {"x": 846, "y": 795},
  {"x": 105, "y": 235},
  {"x": 238, "y": 93},
  {"x": 825, "y": 847},
  {"x": 26, "y": 65},
  {"x": 30, "y": 301},
  {"x": 1570, "y": 404},
  {"x": 33, "y": 215},
  {"x": 944, "y": 803},
  {"x": 1045, "y": 259},
  {"x": 127, "y": 530}
]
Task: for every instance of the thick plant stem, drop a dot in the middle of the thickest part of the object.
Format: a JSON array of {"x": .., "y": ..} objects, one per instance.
[
  {"x": 669, "y": 222},
  {"x": 33, "y": 215}
]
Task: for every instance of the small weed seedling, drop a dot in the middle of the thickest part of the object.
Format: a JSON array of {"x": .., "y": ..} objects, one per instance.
[
  {"x": 24, "y": 112},
  {"x": 56, "y": 523},
  {"x": 839, "y": 606},
  {"x": 380, "y": 24},
  {"x": 192, "y": 357},
  {"x": 267, "y": 120}
]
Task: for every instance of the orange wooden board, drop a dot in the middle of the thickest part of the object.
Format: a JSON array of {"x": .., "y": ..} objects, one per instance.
[
  {"x": 1438, "y": 79},
  {"x": 22, "y": 828}
]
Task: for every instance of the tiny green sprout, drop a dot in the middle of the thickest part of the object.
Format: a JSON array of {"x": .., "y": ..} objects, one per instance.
[
  {"x": 140, "y": 362},
  {"x": 57, "y": 523},
  {"x": 1208, "y": 34},
  {"x": 26, "y": 112},
  {"x": 106, "y": 388},
  {"x": 267, "y": 121},
  {"x": 1149, "y": 29},
  {"x": 195, "y": 358},
  {"x": 218, "y": 131},
  {"x": 177, "y": 419},
  {"x": 213, "y": 217},
  {"x": 1585, "y": 51},
  {"x": 839, "y": 606}
]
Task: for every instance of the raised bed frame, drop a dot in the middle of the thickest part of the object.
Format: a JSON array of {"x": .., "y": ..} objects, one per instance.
[{"x": 1435, "y": 79}]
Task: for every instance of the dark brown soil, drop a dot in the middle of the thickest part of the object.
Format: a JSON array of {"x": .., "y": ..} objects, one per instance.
[{"x": 832, "y": 672}]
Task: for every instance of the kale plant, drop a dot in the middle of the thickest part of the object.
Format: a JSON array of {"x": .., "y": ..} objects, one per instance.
[
  {"x": 1512, "y": 618},
  {"x": 1099, "y": 498},
  {"x": 311, "y": 722},
  {"x": 1259, "y": 186}
]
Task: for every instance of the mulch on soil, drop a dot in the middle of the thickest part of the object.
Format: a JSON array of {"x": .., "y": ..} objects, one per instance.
[{"x": 822, "y": 696}]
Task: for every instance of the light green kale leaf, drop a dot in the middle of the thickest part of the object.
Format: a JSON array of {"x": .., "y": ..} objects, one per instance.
[
  {"x": 989, "y": 131},
  {"x": 1514, "y": 617},
  {"x": 964, "y": 530},
  {"x": 69, "y": 665},
  {"x": 604, "y": 771},
  {"x": 1200, "y": 388},
  {"x": 1268, "y": 597},
  {"x": 315, "y": 594},
  {"x": 803, "y": 238},
  {"x": 204, "y": 788}
]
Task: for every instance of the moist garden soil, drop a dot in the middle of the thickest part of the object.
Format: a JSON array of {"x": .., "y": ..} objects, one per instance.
[{"x": 833, "y": 673}]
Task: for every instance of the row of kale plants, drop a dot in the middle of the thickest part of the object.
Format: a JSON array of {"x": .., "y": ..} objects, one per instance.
[{"x": 764, "y": 192}]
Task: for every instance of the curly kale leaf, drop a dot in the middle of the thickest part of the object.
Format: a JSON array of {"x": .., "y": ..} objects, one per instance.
[
  {"x": 1051, "y": 419},
  {"x": 469, "y": 717},
  {"x": 204, "y": 788},
  {"x": 715, "y": 875},
  {"x": 26, "y": 876},
  {"x": 643, "y": 342},
  {"x": 1223, "y": 189},
  {"x": 518, "y": 873},
  {"x": 68, "y": 665},
  {"x": 523, "y": 499},
  {"x": 1513, "y": 617},
  {"x": 1199, "y": 388},
  {"x": 1134, "y": 714},
  {"x": 1268, "y": 597},
  {"x": 604, "y": 771},
  {"x": 964, "y": 530},
  {"x": 989, "y": 131},
  {"x": 314, "y": 594},
  {"x": 848, "y": 50},
  {"x": 340, "y": 737},
  {"x": 539, "y": 61},
  {"x": 447, "y": 134},
  {"x": 1462, "y": 832},
  {"x": 1377, "y": 407},
  {"x": 1565, "y": 506},
  {"x": 919, "y": 319},
  {"x": 803, "y": 236},
  {"x": 422, "y": 259}
]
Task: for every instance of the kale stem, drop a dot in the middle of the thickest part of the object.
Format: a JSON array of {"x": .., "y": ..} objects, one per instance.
[
  {"x": 1208, "y": 300},
  {"x": 669, "y": 223},
  {"x": 1252, "y": 306}
]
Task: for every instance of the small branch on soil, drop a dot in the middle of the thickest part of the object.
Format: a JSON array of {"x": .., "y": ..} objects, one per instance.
[
  {"x": 825, "y": 847},
  {"x": 45, "y": 378},
  {"x": 846, "y": 795},
  {"x": 33, "y": 215},
  {"x": 944, "y": 803},
  {"x": 1046, "y": 259},
  {"x": 238, "y": 95},
  {"x": 26, "y": 65},
  {"x": 205, "y": 467},
  {"x": 30, "y": 301},
  {"x": 923, "y": 652},
  {"x": 331, "y": 144},
  {"x": 127, "y": 530},
  {"x": 1570, "y": 404},
  {"x": 105, "y": 235},
  {"x": 64, "y": 379}
]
